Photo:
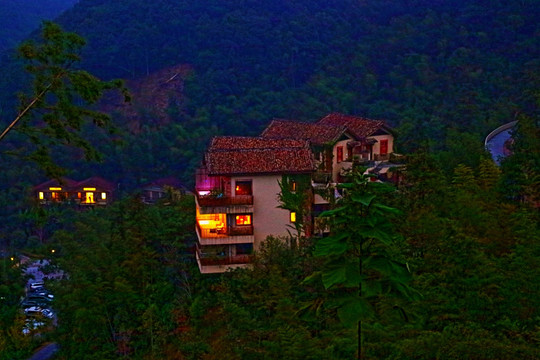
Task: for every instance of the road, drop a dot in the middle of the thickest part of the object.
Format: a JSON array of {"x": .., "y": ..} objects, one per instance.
[{"x": 45, "y": 352}]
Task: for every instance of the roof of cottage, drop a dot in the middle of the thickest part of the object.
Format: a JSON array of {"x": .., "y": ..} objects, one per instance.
[
  {"x": 317, "y": 134},
  {"x": 95, "y": 181},
  {"x": 359, "y": 126},
  {"x": 64, "y": 183},
  {"x": 235, "y": 155}
]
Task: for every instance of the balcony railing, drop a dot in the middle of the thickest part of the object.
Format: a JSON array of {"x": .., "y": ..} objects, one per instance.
[
  {"x": 213, "y": 200},
  {"x": 381, "y": 157},
  {"x": 210, "y": 260},
  {"x": 225, "y": 231}
]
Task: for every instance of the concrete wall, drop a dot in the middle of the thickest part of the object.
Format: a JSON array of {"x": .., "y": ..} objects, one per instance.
[
  {"x": 267, "y": 218},
  {"x": 377, "y": 145}
]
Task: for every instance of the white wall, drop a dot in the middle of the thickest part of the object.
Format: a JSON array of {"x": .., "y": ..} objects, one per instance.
[{"x": 267, "y": 218}]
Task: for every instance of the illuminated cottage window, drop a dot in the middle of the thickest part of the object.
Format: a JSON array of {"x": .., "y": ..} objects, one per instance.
[
  {"x": 243, "y": 219},
  {"x": 293, "y": 216},
  {"x": 103, "y": 196},
  {"x": 41, "y": 196},
  {"x": 89, "y": 196}
]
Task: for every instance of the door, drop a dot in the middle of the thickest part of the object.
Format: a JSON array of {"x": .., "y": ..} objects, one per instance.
[{"x": 384, "y": 147}]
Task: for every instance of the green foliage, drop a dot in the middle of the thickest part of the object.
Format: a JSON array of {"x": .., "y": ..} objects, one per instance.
[
  {"x": 58, "y": 106},
  {"x": 361, "y": 265},
  {"x": 125, "y": 285}
]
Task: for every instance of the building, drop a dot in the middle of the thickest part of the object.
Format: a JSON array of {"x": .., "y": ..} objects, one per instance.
[
  {"x": 158, "y": 189},
  {"x": 237, "y": 191},
  {"x": 238, "y": 184},
  {"x": 94, "y": 191}
]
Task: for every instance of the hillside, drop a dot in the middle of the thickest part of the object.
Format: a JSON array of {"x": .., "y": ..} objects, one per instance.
[
  {"x": 19, "y": 18},
  {"x": 444, "y": 73}
]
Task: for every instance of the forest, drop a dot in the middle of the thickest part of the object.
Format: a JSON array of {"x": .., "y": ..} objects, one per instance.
[{"x": 442, "y": 73}]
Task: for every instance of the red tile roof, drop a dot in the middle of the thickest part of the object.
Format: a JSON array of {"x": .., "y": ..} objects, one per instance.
[
  {"x": 63, "y": 183},
  {"x": 361, "y": 127},
  {"x": 95, "y": 181},
  {"x": 231, "y": 155},
  {"x": 317, "y": 134},
  {"x": 72, "y": 185}
]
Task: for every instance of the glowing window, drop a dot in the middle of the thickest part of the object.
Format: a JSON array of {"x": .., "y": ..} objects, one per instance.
[
  {"x": 293, "y": 186},
  {"x": 41, "y": 196},
  {"x": 243, "y": 219},
  {"x": 89, "y": 197},
  {"x": 243, "y": 188},
  {"x": 293, "y": 216},
  {"x": 54, "y": 195},
  {"x": 103, "y": 196}
]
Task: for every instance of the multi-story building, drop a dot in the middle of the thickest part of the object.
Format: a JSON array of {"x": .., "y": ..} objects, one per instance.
[
  {"x": 238, "y": 185},
  {"x": 237, "y": 191}
]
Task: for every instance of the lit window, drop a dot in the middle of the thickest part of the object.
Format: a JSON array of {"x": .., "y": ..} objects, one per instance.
[
  {"x": 54, "y": 195},
  {"x": 89, "y": 197},
  {"x": 293, "y": 216},
  {"x": 103, "y": 196},
  {"x": 41, "y": 196},
  {"x": 243, "y": 219},
  {"x": 293, "y": 186},
  {"x": 243, "y": 188}
]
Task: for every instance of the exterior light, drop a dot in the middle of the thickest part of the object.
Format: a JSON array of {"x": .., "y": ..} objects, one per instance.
[
  {"x": 53, "y": 251},
  {"x": 103, "y": 196},
  {"x": 55, "y": 188},
  {"x": 12, "y": 258},
  {"x": 89, "y": 189},
  {"x": 293, "y": 216}
]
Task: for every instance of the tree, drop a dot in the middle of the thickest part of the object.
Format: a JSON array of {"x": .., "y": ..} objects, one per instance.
[
  {"x": 58, "y": 106},
  {"x": 360, "y": 259}
]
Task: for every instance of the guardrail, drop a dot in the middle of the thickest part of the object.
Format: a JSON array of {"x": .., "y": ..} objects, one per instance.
[{"x": 499, "y": 130}]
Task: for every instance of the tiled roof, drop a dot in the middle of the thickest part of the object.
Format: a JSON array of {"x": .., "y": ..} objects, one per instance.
[
  {"x": 230, "y": 155},
  {"x": 361, "y": 127},
  {"x": 97, "y": 182},
  {"x": 318, "y": 134},
  {"x": 72, "y": 185},
  {"x": 244, "y": 142},
  {"x": 63, "y": 183}
]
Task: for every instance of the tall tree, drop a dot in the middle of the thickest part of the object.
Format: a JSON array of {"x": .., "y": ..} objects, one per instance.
[
  {"x": 361, "y": 262},
  {"x": 58, "y": 106}
]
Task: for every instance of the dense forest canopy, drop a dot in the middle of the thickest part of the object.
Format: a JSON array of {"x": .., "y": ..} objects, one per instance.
[{"x": 443, "y": 73}]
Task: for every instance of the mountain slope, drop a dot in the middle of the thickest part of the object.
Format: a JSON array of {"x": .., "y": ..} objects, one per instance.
[{"x": 20, "y": 17}]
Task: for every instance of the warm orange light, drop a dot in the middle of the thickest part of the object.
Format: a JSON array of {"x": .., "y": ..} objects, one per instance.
[
  {"x": 41, "y": 197},
  {"x": 55, "y": 188},
  {"x": 293, "y": 216},
  {"x": 89, "y": 189},
  {"x": 243, "y": 219},
  {"x": 89, "y": 197}
]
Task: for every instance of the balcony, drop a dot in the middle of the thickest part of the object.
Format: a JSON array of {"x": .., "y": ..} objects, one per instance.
[
  {"x": 381, "y": 157},
  {"x": 215, "y": 204},
  {"x": 218, "y": 264},
  {"x": 225, "y": 235}
]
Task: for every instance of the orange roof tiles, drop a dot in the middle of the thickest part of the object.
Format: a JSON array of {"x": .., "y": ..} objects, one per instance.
[
  {"x": 317, "y": 134},
  {"x": 231, "y": 155},
  {"x": 360, "y": 127}
]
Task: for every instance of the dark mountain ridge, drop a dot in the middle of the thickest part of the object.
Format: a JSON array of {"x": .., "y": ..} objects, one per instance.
[{"x": 439, "y": 71}]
